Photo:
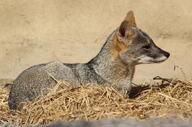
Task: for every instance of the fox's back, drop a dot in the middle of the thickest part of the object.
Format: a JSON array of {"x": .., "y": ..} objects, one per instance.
[{"x": 37, "y": 80}]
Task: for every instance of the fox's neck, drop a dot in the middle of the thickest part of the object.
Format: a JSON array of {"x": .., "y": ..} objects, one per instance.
[{"x": 109, "y": 65}]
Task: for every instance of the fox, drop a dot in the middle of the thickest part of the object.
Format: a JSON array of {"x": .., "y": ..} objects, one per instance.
[{"x": 126, "y": 47}]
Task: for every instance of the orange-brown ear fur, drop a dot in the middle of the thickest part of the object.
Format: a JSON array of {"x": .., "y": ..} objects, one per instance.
[
  {"x": 123, "y": 28},
  {"x": 125, "y": 31},
  {"x": 130, "y": 18}
]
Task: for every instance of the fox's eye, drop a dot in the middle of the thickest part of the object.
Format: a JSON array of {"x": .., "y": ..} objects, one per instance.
[{"x": 146, "y": 47}]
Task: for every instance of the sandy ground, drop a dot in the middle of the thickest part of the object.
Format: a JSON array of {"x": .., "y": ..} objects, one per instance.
[{"x": 39, "y": 31}]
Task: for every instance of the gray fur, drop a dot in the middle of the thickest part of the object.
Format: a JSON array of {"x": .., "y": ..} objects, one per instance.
[{"x": 114, "y": 64}]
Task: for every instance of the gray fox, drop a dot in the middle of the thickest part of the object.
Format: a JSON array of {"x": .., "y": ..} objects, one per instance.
[{"x": 125, "y": 48}]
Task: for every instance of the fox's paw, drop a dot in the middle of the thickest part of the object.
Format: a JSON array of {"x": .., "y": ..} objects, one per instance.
[{"x": 125, "y": 92}]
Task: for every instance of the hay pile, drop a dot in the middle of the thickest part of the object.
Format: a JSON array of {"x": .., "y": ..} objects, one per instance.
[{"x": 92, "y": 102}]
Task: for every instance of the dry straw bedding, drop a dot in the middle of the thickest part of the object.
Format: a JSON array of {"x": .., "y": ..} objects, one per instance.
[{"x": 166, "y": 97}]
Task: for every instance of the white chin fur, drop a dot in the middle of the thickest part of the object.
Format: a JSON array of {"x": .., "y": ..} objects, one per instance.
[
  {"x": 161, "y": 59},
  {"x": 146, "y": 59}
]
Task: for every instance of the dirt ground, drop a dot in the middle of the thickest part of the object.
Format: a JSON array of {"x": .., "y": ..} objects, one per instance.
[{"x": 34, "y": 32}]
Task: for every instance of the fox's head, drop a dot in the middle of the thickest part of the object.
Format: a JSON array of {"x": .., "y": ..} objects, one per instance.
[{"x": 135, "y": 46}]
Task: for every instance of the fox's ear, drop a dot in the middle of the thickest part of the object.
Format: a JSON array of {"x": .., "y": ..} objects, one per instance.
[
  {"x": 125, "y": 31},
  {"x": 130, "y": 18}
]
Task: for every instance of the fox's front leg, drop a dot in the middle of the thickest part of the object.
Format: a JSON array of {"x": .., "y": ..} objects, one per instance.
[{"x": 125, "y": 88}]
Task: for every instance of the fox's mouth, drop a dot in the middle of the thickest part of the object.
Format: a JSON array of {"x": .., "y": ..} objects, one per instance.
[
  {"x": 160, "y": 59},
  {"x": 149, "y": 60}
]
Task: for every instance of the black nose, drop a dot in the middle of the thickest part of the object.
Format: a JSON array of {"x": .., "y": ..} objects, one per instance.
[{"x": 167, "y": 54}]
